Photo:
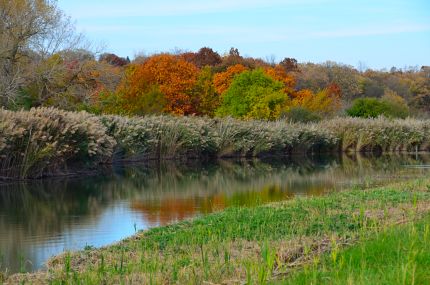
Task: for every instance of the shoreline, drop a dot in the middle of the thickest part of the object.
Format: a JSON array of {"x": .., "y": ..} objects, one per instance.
[
  {"x": 184, "y": 160},
  {"x": 237, "y": 229}
]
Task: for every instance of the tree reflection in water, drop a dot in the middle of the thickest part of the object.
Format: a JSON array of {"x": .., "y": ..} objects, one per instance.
[{"x": 42, "y": 218}]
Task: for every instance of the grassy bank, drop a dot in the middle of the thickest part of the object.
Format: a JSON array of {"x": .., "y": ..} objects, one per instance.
[
  {"x": 398, "y": 255},
  {"x": 46, "y": 141},
  {"x": 268, "y": 243}
]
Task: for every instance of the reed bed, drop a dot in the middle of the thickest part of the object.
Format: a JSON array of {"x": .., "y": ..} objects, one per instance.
[
  {"x": 47, "y": 141},
  {"x": 380, "y": 134},
  {"x": 161, "y": 137}
]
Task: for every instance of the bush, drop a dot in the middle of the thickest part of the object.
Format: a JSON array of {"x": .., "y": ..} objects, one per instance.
[
  {"x": 367, "y": 108},
  {"x": 301, "y": 115},
  {"x": 390, "y": 106},
  {"x": 396, "y": 105},
  {"x": 47, "y": 141}
]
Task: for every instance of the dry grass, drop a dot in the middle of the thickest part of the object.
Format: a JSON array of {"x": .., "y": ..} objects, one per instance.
[
  {"x": 380, "y": 134},
  {"x": 47, "y": 141}
]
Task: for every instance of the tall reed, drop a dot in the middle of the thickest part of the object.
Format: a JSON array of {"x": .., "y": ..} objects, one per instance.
[
  {"x": 47, "y": 141},
  {"x": 380, "y": 134}
]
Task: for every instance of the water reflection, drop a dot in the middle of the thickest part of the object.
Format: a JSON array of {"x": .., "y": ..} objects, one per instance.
[{"x": 42, "y": 218}]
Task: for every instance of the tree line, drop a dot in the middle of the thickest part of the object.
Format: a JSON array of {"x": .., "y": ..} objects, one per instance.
[{"x": 45, "y": 62}]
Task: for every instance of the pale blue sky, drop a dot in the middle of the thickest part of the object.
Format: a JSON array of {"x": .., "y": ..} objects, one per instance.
[{"x": 380, "y": 33}]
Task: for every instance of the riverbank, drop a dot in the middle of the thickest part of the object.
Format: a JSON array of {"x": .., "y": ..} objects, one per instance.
[
  {"x": 295, "y": 240},
  {"x": 50, "y": 142}
]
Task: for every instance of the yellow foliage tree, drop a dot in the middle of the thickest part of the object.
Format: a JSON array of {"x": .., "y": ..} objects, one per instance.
[{"x": 323, "y": 102}]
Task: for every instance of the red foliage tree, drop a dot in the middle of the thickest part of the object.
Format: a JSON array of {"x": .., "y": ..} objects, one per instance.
[{"x": 113, "y": 59}]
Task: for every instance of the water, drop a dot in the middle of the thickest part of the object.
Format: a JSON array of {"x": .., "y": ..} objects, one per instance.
[{"x": 40, "y": 219}]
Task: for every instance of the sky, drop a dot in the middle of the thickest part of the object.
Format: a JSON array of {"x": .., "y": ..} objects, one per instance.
[{"x": 376, "y": 33}]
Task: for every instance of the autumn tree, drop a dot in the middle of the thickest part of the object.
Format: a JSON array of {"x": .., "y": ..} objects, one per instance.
[
  {"x": 325, "y": 102},
  {"x": 232, "y": 58},
  {"x": 30, "y": 31},
  {"x": 301, "y": 95},
  {"x": 396, "y": 105},
  {"x": 68, "y": 80},
  {"x": 289, "y": 64},
  {"x": 371, "y": 88},
  {"x": 113, "y": 59},
  {"x": 278, "y": 73},
  {"x": 174, "y": 77},
  {"x": 206, "y": 57},
  {"x": 205, "y": 99},
  {"x": 188, "y": 56},
  {"x": 223, "y": 80},
  {"x": 253, "y": 94},
  {"x": 318, "y": 76},
  {"x": 420, "y": 88}
]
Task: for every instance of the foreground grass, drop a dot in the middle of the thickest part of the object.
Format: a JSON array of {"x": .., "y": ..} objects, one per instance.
[
  {"x": 399, "y": 255},
  {"x": 260, "y": 245}
]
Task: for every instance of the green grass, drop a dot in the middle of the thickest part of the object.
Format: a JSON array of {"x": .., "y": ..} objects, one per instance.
[
  {"x": 249, "y": 245},
  {"x": 399, "y": 255}
]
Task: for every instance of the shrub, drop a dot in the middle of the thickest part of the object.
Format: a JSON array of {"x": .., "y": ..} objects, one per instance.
[
  {"x": 301, "y": 115},
  {"x": 396, "y": 105},
  {"x": 367, "y": 108},
  {"x": 47, "y": 141},
  {"x": 390, "y": 105}
]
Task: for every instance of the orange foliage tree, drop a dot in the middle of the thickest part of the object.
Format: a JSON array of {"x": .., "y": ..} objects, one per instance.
[
  {"x": 302, "y": 95},
  {"x": 278, "y": 73},
  {"x": 223, "y": 80},
  {"x": 173, "y": 77},
  {"x": 324, "y": 102}
]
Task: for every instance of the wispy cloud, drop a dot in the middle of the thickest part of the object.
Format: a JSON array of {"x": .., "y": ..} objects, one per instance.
[
  {"x": 259, "y": 33},
  {"x": 130, "y": 8},
  {"x": 372, "y": 30}
]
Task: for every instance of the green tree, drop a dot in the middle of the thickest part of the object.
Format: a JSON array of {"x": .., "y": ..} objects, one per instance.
[{"x": 253, "y": 94}]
